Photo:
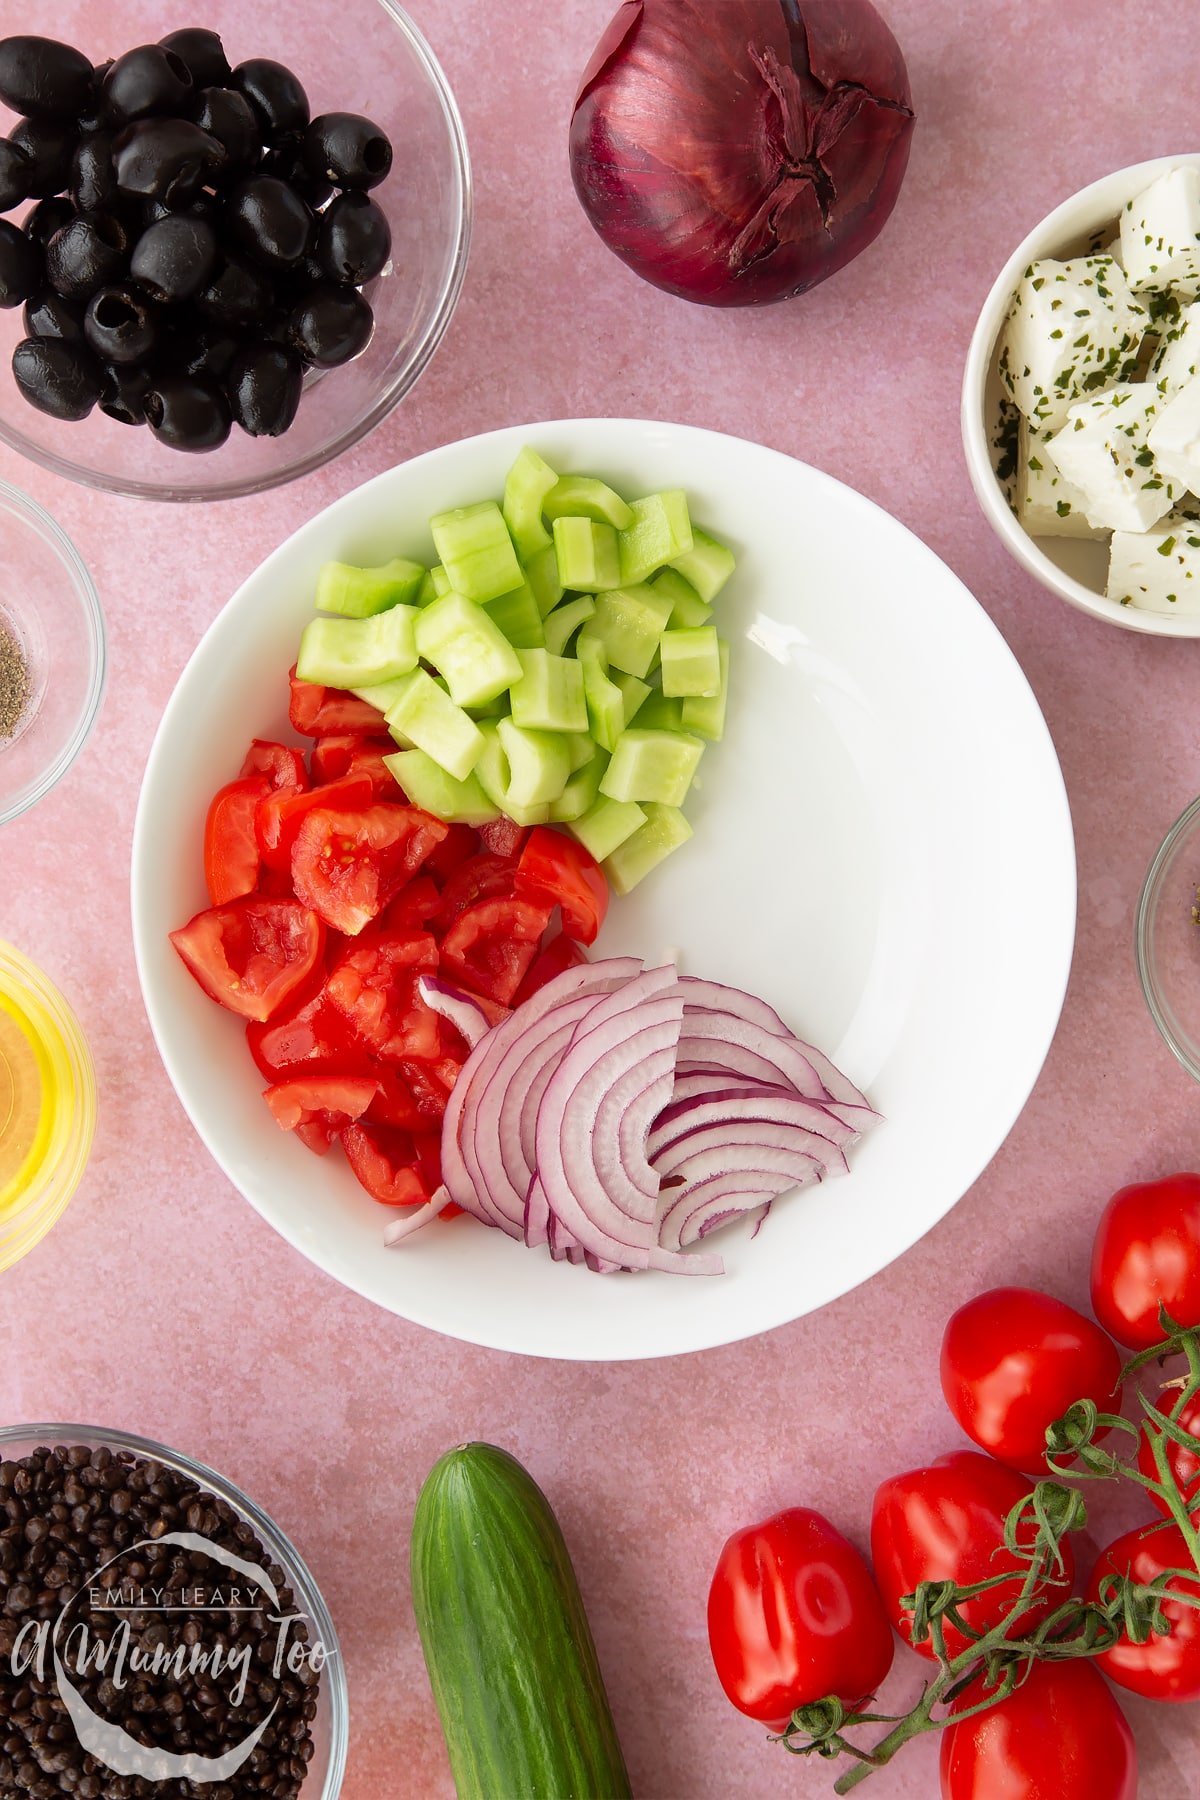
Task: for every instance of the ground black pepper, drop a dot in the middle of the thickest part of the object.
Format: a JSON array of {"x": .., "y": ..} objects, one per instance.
[{"x": 14, "y": 683}]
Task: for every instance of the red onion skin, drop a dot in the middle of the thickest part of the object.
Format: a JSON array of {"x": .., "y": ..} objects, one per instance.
[{"x": 738, "y": 154}]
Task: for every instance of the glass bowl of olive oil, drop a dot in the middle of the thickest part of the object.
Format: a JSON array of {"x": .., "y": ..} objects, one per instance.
[{"x": 47, "y": 1104}]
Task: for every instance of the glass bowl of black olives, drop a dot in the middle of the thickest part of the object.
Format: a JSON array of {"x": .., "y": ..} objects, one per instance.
[{"x": 225, "y": 253}]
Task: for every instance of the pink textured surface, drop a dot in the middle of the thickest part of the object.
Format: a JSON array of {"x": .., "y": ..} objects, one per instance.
[{"x": 163, "y": 1304}]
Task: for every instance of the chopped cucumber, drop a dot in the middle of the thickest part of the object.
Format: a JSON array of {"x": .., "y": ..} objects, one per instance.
[
  {"x": 382, "y": 695},
  {"x": 549, "y": 695},
  {"x": 665, "y": 829},
  {"x": 356, "y": 593},
  {"x": 652, "y": 765},
  {"x": 633, "y": 693},
  {"x": 581, "y": 792},
  {"x": 706, "y": 717},
  {"x": 490, "y": 709},
  {"x": 661, "y": 531},
  {"x": 707, "y": 565},
  {"x": 657, "y": 713},
  {"x": 522, "y": 771},
  {"x": 464, "y": 643},
  {"x": 581, "y": 749},
  {"x": 687, "y": 608},
  {"x": 587, "y": 554},
  {"x": 525, "y": 489},
  {"x": 628, "y": 623},
  {"x": 691, "y": 663},
  {"x": 541, "y": 572},
  {"x": 565, "y": 620},
  {"x": 518, "y": 617},
  {"x": 434, "y": 791},
  {"x": 606, "y": 824},
  {"x": 426, "y": 718},
  {"x": 605, "y": 701},
  {"x": 478, "y": 554},
  {"x": 440, "y": 580},
  {"x": 427, "y": 590},
  {"x": 583, "y": 497},
  {"x": 347, "y": 653}
]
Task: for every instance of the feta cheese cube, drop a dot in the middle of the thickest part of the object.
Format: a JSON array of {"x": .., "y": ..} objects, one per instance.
[
  {"x": 1177, "y": 358},
  {"x": 1157, "y": 570},
  {"x": 1047, "y": 504},
  {"x": 1160, "y": 235},
  {"x": 1174, "y": 437},
  {"x": 1103, "y": 449},
  {"x": 1072, "y": 328}
]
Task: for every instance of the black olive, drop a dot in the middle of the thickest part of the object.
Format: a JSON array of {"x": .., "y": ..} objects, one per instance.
[
  {"x": 237, "y": 295},
  {"x": 145, "y": 82},
  {"x": 120, "y": 324},
  {"x": 48, "y": 315},
  {"x": 204, "y": 206},
  {"x": 285, "y": 158},
  {"x": 330, "y": 325},
  {"x": 48, "y": 145},
  {"x": 347, "y": 150},
  {"x": 264, "y": 387},
  {"x": 43, "y": 78},
  {"x": 199, "y": 349},
  {"x": 20, "y": 265},
  {"x": 95, "y": 116},
  {"x": 16, "y": 172},
  {"x": 166, "y": 159},
  {"x": 47, "y": 217},
  {"x": 187, "y": 412},
  {"x": 274, "y": 93},
  {"x": 269, "y": 221},
  {"x": 93, "y": 178},
  {"x": 174, "y": 259},
  {"x": 123, "y": 391},
  {"x": 60, "y": 379},
  {"x": 202, "y": 52},
  {"x": 229, "y": 117},
  {"x": 86, "y": 254},
  {"x": 354, "y": 240}
]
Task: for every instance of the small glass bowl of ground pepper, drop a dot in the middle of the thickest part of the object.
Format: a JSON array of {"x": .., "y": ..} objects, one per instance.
[
  {"x": 51, "y": 652},
  {"x": 160, "y": 1638},
  {"x": 1167, "y": 939}
]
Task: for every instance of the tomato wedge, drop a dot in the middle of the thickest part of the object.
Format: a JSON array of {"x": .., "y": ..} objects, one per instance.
[
  {"x": 374, "y": 984},
  {"x": 560, "y": 953},
  {"x": 492, "y": 946},
  {"x": 481, "y": 877},
  {"x": 281, "y": 814},
  {"x": 231, "y": 854},
  {"x": 314, "y": 1038},
  {"x": 392, "y": 1165},
  {"x": 280, "y": 763},
  {"x": 333, "y": 757},
  {"x": 316, "y": 711},
  {"x": 348, "y": 865},
  {"x": 454, "y": 850},
  {"x": 318, "y": 1107},
  {"x": 414, "y": 906},
  {"x": 252, "y": 954},
  {"x": 503, "y": 837},
  {"x": 554, "y": 870}
]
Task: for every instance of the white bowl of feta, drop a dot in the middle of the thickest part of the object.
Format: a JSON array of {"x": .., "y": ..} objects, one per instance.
[{"x": 1081, "y": 399}]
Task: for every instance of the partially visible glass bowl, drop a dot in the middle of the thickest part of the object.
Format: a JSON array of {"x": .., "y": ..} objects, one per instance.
[
  {"x": 1167, "y": 939},
  {"x": 360, "y": 56}
]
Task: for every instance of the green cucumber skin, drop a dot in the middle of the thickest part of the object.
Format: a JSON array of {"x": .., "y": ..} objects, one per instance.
[{"x": 507, "y": 1644}]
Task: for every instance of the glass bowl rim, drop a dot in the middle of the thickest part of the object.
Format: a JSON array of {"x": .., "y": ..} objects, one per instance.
[
  {"x": 52, "y": 534},
  {"x": 178, "y": 490},
  {"x": 1147, "y": 973},
  {"x": 274, "y": 1537}
]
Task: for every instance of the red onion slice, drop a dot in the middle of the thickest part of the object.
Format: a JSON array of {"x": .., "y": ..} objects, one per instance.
[
  {"x": 465, "y": 1014},
  {"x": 739, "y": 1105},
  {"x": 397, "y": 1230}
]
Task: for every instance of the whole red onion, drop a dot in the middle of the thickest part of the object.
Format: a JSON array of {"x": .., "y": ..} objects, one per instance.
[{"x": 739, "y": 151}]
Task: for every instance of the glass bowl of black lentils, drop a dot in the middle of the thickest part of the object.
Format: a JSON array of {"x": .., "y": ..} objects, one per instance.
[
  {"x": 160, "y": 1638},
  {"x": 226, "y": 251}
]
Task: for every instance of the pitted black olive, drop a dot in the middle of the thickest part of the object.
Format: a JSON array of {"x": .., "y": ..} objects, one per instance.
[
  {"x": 204, "y": 206},
  {"x": 93, "y": 181},
  {"x": 58, "y": 378},
  {"x": 330, "y": 325},
  {"x": 354, "y": 240},
  {"x": 229, "y": 117},
  {"x": 120, "y": 325},
  {"x": 49, "y": 146},
  {"x": 16, "y": 172},
  {"x": 166, "y": 159},
  {"x": 47, "y": 217},
  {"x": 48, "y": 315},
  {"x": 285, "y": 158},
  {"x": 43, "y": 78},
  {"x": 207, "y": 350},
  {"x": 174, "y": 259},
  {"x": 85, "y": 254},
  {"x": 187, "y": 412},
  {"x": 274, "y": 93},
  {"x": 348, "y": 150},
  {"x": 268, "y": 221},
  {"x": 123, "y": 391},
  {"x": 237, "y": 295},
  {"x": 145, "y": 83},
  {"x": 20, "y": 265},
  {"x": 264, "y": 387},
  {"x": 203, "y": 54},
  {"x": 94, "y": 116}
]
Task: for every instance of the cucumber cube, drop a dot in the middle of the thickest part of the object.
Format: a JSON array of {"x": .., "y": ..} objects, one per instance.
[
  {"x": 427, "y": 591},
  {"x": 349, "y": 653},
  {"x": 382, "y": 695},
  {"x": 661, "y": 531},
  {"x": 707, "y": 565},
  {"x": 606, "y": 824},
  {"x": 549, "y": 695},
  {"x": 425, "y": 718},
  {"x": 665, "y": 829},
  {"x": 490, "y": 709},
  {"x": 582, "y": 749},
  {"x": 478, "y": 554},
  {"x": 583, "y": 497},
  {"x": 652, "y": 765},
  {"x": 587, "y": 554},
  {"x": 359, "y": 593},
  {"x": 518, "y": 617},
  {"x": 687, "y": 608},
  {"x": 525, "y": 488},
  {"x": 691, "y": 663},
  {"x": 429, "y": 787},
  {"x": 541, "y": 572},
  {"x": 633, "y": 693},
  {"x": 581, "y": 792},
  {"x": 628, "y": 622},
  {"x": 565, "y": 620},
  {"x": 539, "y": 765},
  {"x": 604, "y": 699},
  {"x": 439, "y": 579},
  {"x": 657, "y": 713},
  {"x": 466, "y": 645},
  {"x": 706, "y": 717}
]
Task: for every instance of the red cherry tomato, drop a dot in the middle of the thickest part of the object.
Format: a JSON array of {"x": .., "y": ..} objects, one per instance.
[
  {"x": 945, "y": 1522},
  {"x": 282, "y": 766},
  {"x": 1147, "y": 1254},
  {"x": 560, "y": 953},
  {"x": 348, "y": 865},
  {"x": 1163, "y": 1668},
  {"x": 231, "y": 854},
  {"x": 1013, "y": 1361},
  {"x": 492, "y": 945},
  {"x": 253, "y": 955},
  {"x": 794, "y": 1617},
  {"x": 317, "y": 711},
  {"x": 1060, "y": 1736},
  {"x": 389, "y": 1164},
  {"x": 503, "y": 837},
  {"x": 555, "y": 870},
  {"x": 1182, "y": 1462},
  {"x": 282, "y": 813},
  {"x": 318, "y": 1107}
]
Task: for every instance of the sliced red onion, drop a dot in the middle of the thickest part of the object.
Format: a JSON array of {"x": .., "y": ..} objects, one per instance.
[
  {"x": 402, "y": 1227},
  {"x": 745, "y": 1104},
  {"x": 465, "y": 1014}
]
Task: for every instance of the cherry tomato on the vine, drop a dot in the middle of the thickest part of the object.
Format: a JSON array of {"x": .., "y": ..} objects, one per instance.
[
  {"x": 1146, "y": 1255},
  {"x": 1060, "y": 1736},
  {"x": 1182, "y": 1462},
  {"x": 1165, "y": 1667}
]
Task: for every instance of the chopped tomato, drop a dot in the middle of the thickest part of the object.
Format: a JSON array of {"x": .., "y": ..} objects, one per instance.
[
  {"x": 482, "y": 877},
  {"x": 374, "y": 983},
  {"x": 317, "y": 711},
  {"x": 282, "y": 766},
  {"x": 491, "y": 946},
  {"x": 281, "y": 814},
  {"x": 231, "y": 857},
  {"x": 456, "y": 847},
  {"x": 555, "y": 870},
  {"x": 389, "y": 1164},
  {"x": 252, "y": 954},
  {"x": 318, "y": 1107},
  {"x": 315, "y": 1038},
  {"x": 413, "y": 906},
  {"x": 430, "y": 1084},
  {"x": 395, "y": 1104},
  {"x": 503, "y": 837},
  {"x": 560, "y": 953},
  {"x": 348, "y": 865},
  {"x": 333, "y": 757}
]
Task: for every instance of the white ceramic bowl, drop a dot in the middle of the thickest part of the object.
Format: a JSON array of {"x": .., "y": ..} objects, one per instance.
[
  {"x": 1073, "y": 568},
  {"x": 882, "y": 849}
]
